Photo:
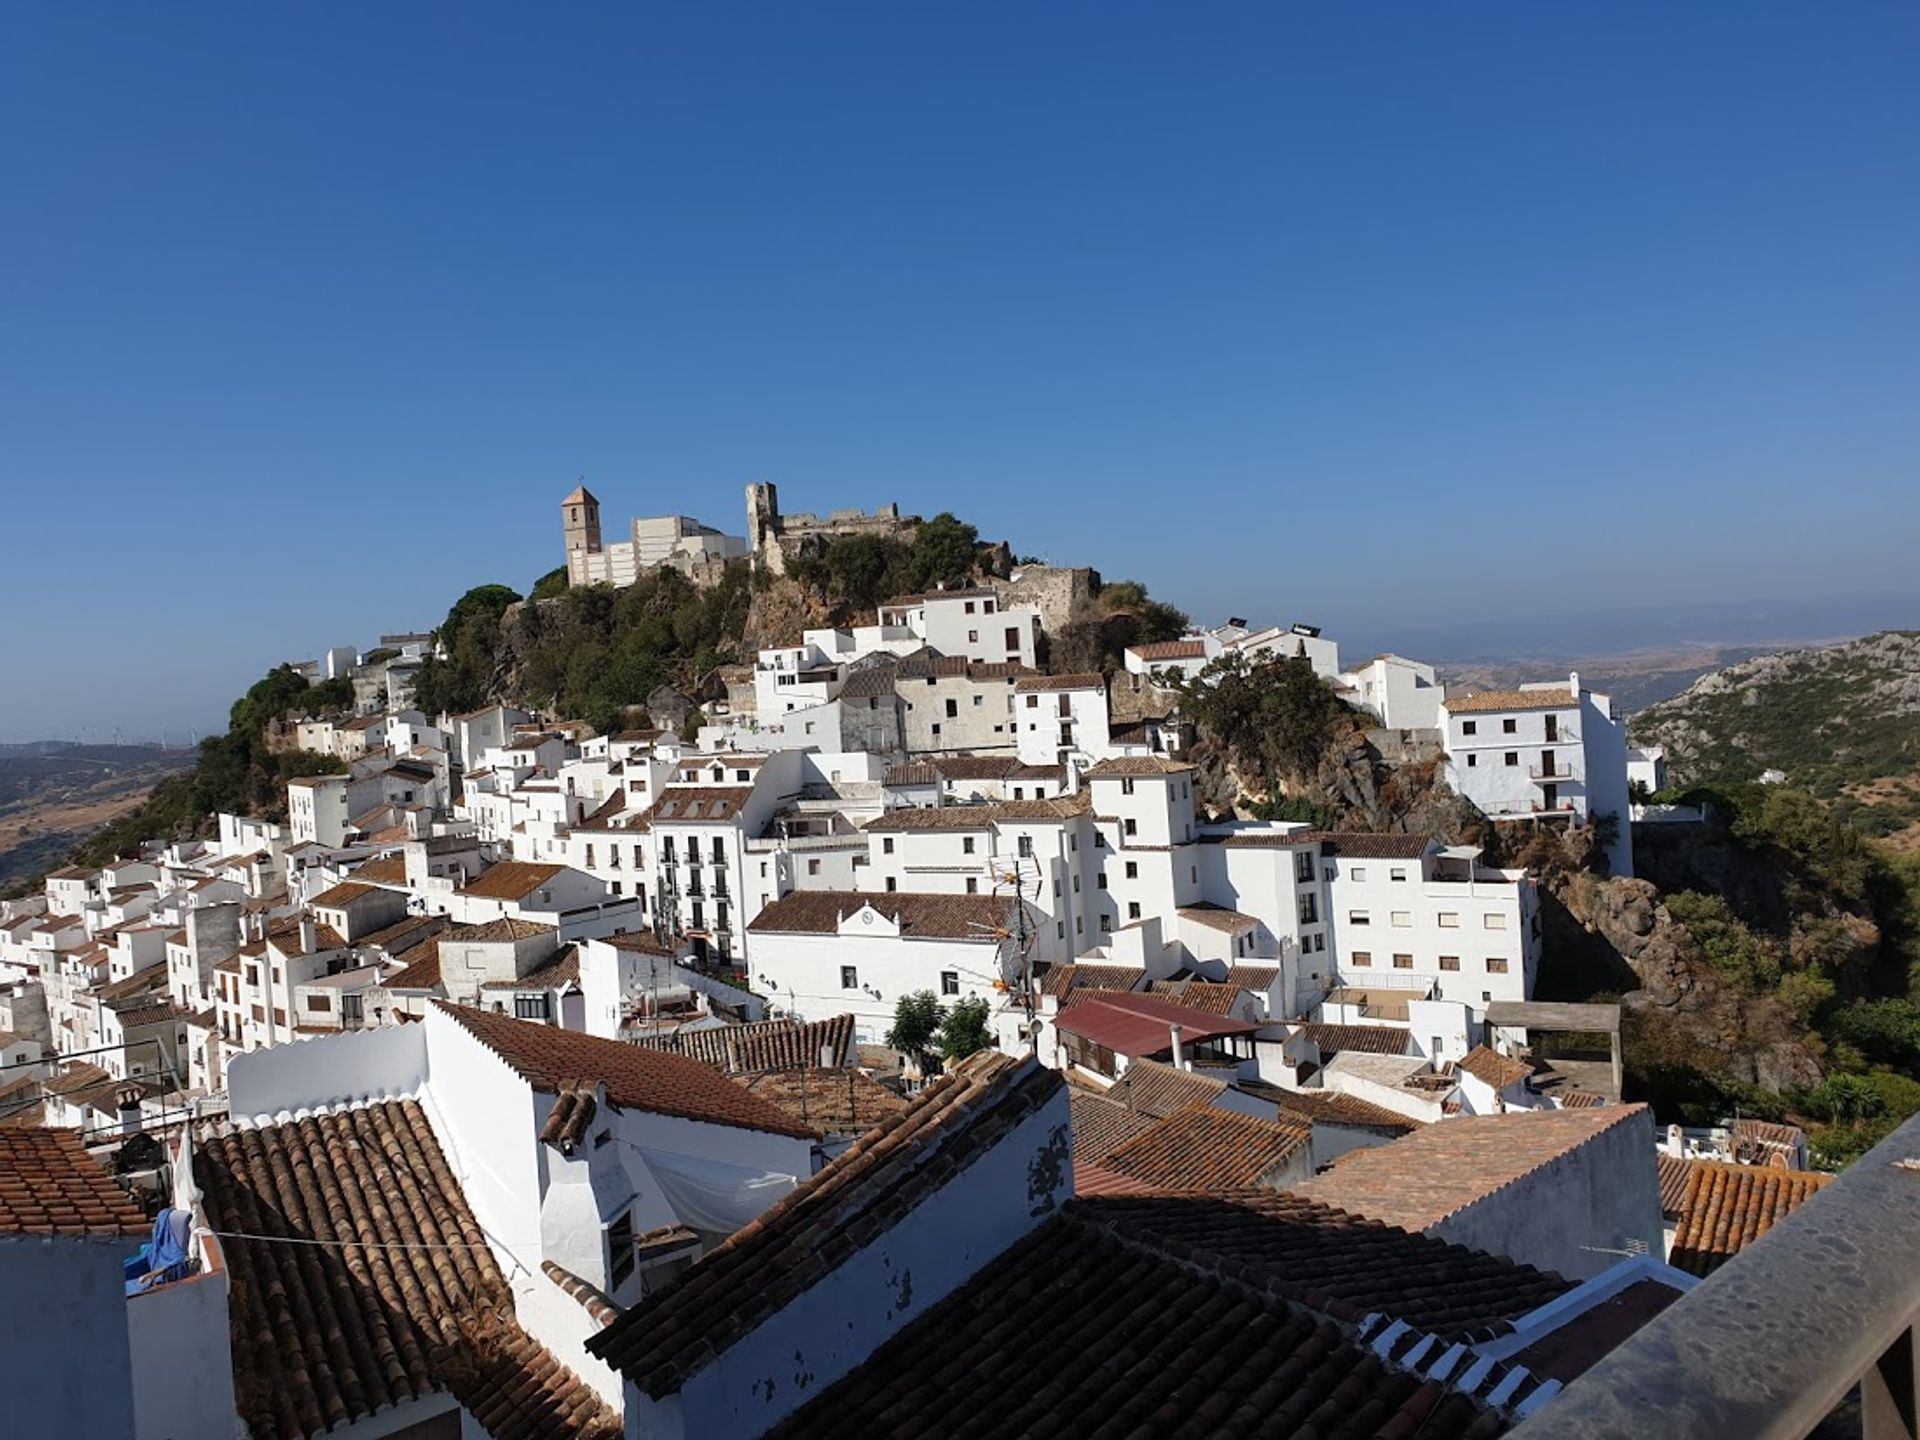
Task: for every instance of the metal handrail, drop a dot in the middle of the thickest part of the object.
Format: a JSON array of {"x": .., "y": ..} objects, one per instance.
[{"x": 1768, "y": 1345}]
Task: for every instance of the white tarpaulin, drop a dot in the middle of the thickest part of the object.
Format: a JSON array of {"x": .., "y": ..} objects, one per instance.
[{"x": 713, "y": 1197}]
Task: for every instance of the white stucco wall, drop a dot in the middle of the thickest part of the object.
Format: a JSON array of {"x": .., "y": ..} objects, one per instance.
[
  {"x": 64, "y": 1353},
  {"x": 182, "y": 1357},
  {"x": 1574, "y": 1214}
]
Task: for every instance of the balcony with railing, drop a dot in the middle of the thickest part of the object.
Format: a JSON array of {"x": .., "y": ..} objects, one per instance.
[
  {"x": 1808, "y": 1331},
  {"x": 1555, "y": 774}
]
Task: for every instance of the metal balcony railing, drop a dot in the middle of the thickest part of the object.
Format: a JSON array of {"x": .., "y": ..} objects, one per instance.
[
  {"x": 1556, "y": 774},
  {"x": 1772, "y": 1343}
]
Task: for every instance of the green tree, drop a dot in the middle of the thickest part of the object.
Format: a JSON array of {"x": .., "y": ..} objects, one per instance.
[
  {"x": 471, "y": 637},
  {"x": 1276, "y": 717},
  {"x": 917, "y": 1018},
  {"x": 965, "y": 1030},
  {"x": 548, "y": 586},
  {"x": 861, "y": 568},
  {"x": 1743, "y": 959},
  {"x": 1847, "y": 1098},
  {"x": 944, "y": 549}
]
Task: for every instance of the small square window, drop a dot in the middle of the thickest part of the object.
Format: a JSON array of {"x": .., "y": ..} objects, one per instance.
[
  {"x": 1133, "y": 870},
  {"x": 1469, "y": 727},
  {"x": 1513, "y": 757},
  {"x": 1509, "y": 726},
  {"x": 949, "y": 982},
  {"x": 1359, "y": 872},
  {"x": 1449, "y": 962},
  {"x": 1362, "y": 959},
  {"x": 1473, "y": 762},
  {"x": 1496, "y": 965},
  {"x": 849, "y": 977},
  {"x": 1403, "y": 962}
]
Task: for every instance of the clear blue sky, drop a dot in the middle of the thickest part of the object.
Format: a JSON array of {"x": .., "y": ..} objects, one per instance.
[{"x": 310, "y": 314}]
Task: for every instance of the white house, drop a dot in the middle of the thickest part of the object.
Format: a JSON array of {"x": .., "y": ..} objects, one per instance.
[
  {"x": 1405, "y": 694},
  {"x": 824, "y": 952},
  {"x": 1542, "y": 752}
]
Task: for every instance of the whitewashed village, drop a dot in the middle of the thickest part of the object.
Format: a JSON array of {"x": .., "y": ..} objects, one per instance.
[{"x": 885, "y": 1037}]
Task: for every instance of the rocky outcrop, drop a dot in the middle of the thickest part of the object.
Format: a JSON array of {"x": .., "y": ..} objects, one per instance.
[{"x": 1735, "y": 1037}]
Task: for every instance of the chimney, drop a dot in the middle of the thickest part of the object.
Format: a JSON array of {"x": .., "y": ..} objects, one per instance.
[
  {"x": 129, "y": 1103},
  {"x": 1676, "y": 1142},
  {"x": 309, "y": 939},
  {"x": 1179, "y": 1056},
  {"x": 828, "y": 1060},
  {"x": 1573, "y": 683}
]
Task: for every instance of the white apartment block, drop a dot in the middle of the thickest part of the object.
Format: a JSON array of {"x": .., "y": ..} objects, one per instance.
[
  {"x": 1407, "y": 914},
  {"x": 1542, "y": 752}
]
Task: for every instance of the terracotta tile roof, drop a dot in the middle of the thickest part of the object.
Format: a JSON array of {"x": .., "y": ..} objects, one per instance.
[
  {"x": 1170, "y": 650},
  {"x": 1100, "y": 1127},
  {"x": 1337, "y": 1263},
  {"x": 1200, "y": 995},
  {"x": 1218, "y": 917},
  {"x": 506, "y": 928},
  {"x": 1553, "y": 698},
  {"x": 562, "y": 969},
  {"x": 1129, "y": 766},
  {"x": 1205, "y": 1151},
  {"x": 151, "y": 1013},
  {"x": 50, "y": 1185},
  {"x": 345, "y": 893},
  {"x": 975, "y": 767},
  {"x": 1422, "y": 1178},
  {"x": 404, "y": 935},
  {"x": 1257, "y": 978},
  {"x": 1160, "y": 1090},
  {"x": 1490, "y": 1067},
  {"x": 1190, "y": 1351},
  {"x": 591, "y": 1298},
  {"x": 869, "y": 683},
  {"x": 423, "y": 973},
  {"x": 1136, "y": 1025},
  {"x": 1336, "y": 1107},
  {"x": 666, "y": 1339},
  {"x": 1367, "y": 1039},
  {"x": 914, "y": 772},
  {"x": 838, "y": 1101},
  {"x": 928, "y": 917},
  {"x": 567, "y": 1122},
  {"x": 390, "y": 870},
  {"x": 149, "y": 977},
  {"x": 1093, "y": 1178},
  {"x": 553, "y": 1060},
  {"x": 1366, "y": 845},
  {"x": 1064, "y": 980},
  {"x": 323, "y": 1335},
  {"x": 687, "y": 804},
  {"x": 1061, "y": 682},
  {"x": 1726, "y": 1207},
  {"x": 511, "y": 880},
  {"x": 1674, "y": 1175},
  {"x": 936, "y": 817},
  {"x": 761, "y": 1045},
  {"x": 1765, "y": 1134}
]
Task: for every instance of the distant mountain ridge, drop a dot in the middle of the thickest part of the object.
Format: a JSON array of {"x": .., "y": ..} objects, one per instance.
[{"x": 1842, "y": 721}]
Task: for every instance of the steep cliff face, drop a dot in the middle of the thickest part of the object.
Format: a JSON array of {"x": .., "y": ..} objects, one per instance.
[{"x": 1682, "y": 1013}]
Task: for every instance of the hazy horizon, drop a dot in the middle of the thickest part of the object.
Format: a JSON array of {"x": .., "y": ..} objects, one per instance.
[{"x": 314, "y": 316}]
